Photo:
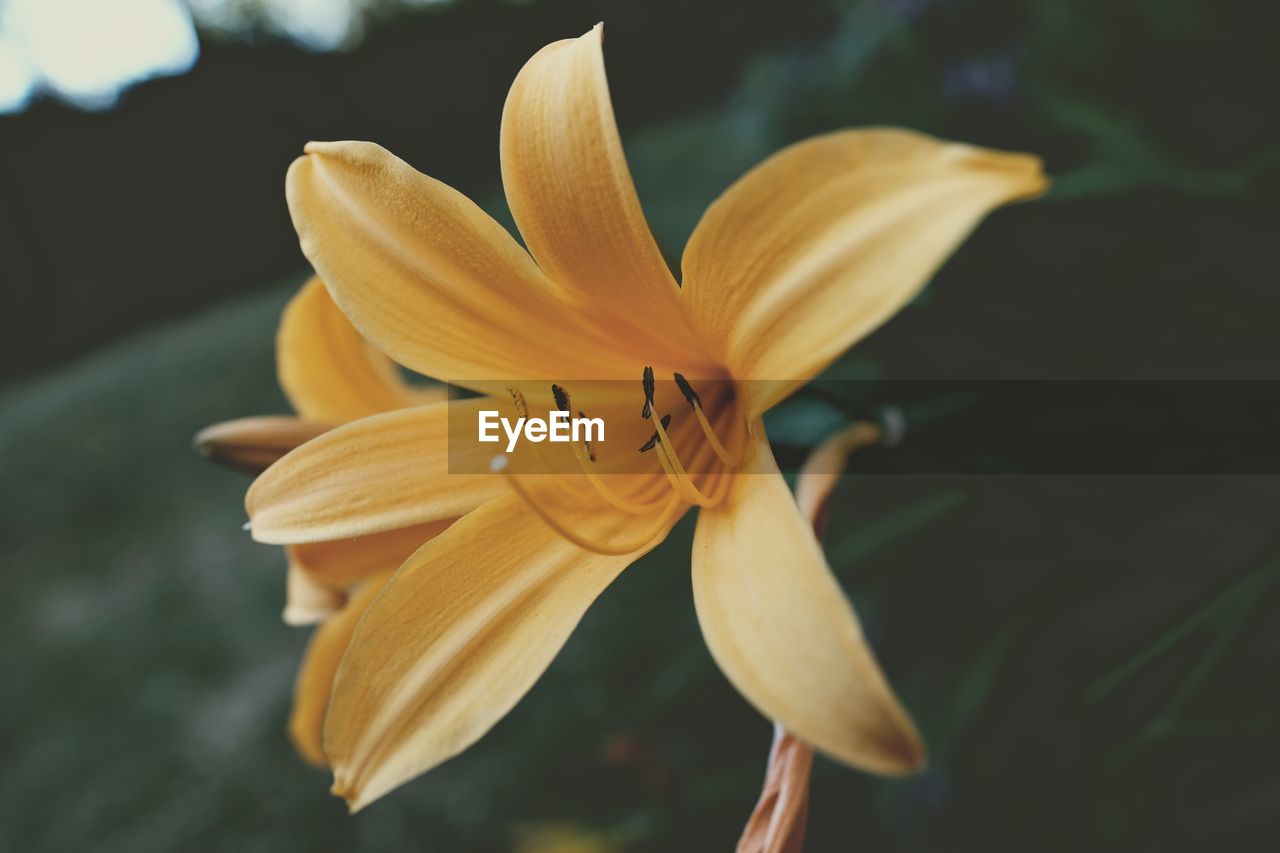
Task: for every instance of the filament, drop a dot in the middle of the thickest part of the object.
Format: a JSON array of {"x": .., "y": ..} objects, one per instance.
[
  {"x": 711, "y": 435},
  {"x": 695, "y": 402},
  {"x": 604, "y": 548},
  {"x": 682, "y": 485},
  {"x": 675, "y": 471},
  {"x": 629, "y": 506},
  {"x": 586, "y": 459}
]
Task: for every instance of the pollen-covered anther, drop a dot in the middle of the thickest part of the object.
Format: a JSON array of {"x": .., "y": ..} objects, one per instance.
[{"x": 646, "y": 381}]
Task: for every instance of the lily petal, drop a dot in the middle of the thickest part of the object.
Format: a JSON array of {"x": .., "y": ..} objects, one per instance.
[
  {"x": 572, "y": 197},
  {"x": 315, "y": 677},
  {"x": 463, "y": 631},
  {"x": 428, "y": 277},
  {"x": 254, "y": 444},
  {"x": 308, "y": 600},
  {"x": 328, "y": 371},
  {"x": 376, "y": 474},
  {"x": 824, "y": 241},
  {"x": 344, "y": 562},
  {"x": 781, "y": 629}
]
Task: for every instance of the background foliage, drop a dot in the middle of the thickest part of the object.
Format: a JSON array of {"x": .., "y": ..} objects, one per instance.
[{"x": 1091, "y": 659}]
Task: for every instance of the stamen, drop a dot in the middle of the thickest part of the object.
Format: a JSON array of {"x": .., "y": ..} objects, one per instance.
[
  {"x": 585, "y": 456},
  {"x": 647, "y": 382},
  {"x": 564, "y": 404},
  {"x": 522, "y": 407},
  {"x": 561, "y": 397},
  {"x": 722, "y": 486},
  {"x": 624, "y": 504},
  {"x": 687, "y": 390},
  {"x": 681, "y": 484},
  {"x": 653, "y": 439},
  {"x": 675, "y": 471},
  {"x": 695, "y": 402},
  {"x": 522, "y": 410},
  {"x": 591, "y": 453},
  {"x": 662, "y": 519}
]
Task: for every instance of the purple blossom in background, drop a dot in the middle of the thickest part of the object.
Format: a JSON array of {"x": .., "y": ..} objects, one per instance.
[{"x": 990, "y": 78}]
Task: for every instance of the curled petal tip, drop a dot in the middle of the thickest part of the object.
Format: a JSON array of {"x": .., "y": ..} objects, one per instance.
[
  {"x": 890, "y": 746},
  {"x": 355, "y": 800},
  {"x": 200, "y": 442},
  {"x": 907, "y": 754},
  {"x": 1027, "y": 168},
  {"x": 342, "y": 790},
  {"x": 253, "y": 444}
]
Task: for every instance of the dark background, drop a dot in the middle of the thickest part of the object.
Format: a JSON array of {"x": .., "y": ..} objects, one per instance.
[{"x": 1092, "y": 659}]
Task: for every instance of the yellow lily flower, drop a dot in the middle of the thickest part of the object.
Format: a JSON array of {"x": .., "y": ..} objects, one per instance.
[
  {"x": 330, "y": 375},
  {"x": 804, "y": 255}
]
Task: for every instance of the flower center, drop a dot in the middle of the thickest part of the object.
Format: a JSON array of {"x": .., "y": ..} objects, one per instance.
[
  {"x": 664, "y": 506},
  {"x": 666, "y": 449}
]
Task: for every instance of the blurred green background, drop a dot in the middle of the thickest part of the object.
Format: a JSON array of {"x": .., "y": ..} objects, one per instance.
[{"x": 1092, "y": 659}]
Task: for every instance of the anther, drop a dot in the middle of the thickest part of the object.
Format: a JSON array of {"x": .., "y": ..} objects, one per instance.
[
  {"x": 647, "y": 382},
  {"x": 586, "y": 457},
  {"x": 562, "y": 398},
  {"x": 687, "y": 390},
  {"x": 522, "y": 407},
  {"x": 695, "y": 403},
  {"x": 653, "y": 439}
]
